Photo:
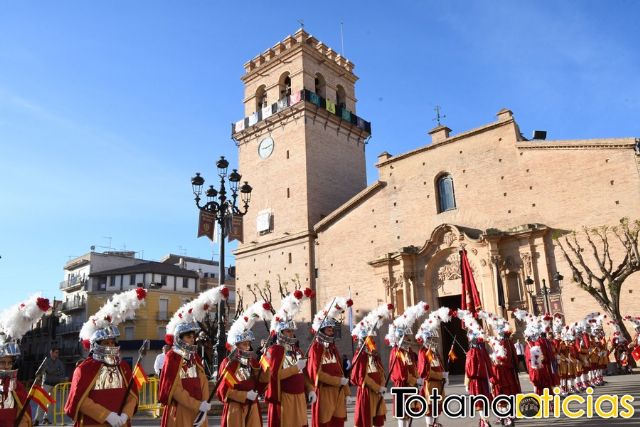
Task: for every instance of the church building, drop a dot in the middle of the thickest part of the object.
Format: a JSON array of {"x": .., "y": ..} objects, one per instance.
[{"x": 488, "y": 190}]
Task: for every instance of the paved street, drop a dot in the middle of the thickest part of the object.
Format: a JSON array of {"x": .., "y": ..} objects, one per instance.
[{"x": 617, "y": 385}]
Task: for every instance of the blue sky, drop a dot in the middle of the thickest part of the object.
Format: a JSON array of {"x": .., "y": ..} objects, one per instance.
[{"x": 108, "y": 108}]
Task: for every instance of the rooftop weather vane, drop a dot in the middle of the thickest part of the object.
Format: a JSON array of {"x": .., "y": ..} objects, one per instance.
[
  {"x": 301, "y": 22},
  {"x": 438, "y": 115}
]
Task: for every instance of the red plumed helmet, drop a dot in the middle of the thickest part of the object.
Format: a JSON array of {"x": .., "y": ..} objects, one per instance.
[
  {"x": 298, "y": 294},
  {"x": 86, "y": 344},
  {"x": 308, "y": 292},
  {"x": 390, "y": 307},
  {"x": 225, "y": 292},
  {"x": 43, "y": 304},
  {"x": 349, "y": 302},
  {"x": 426, "y": 307},
  {"x": 141, "y": 293},
  {"x": 266, "y": 306},
  {"x": 168, "y": 338},
  {"x": 206, "y": 307}
]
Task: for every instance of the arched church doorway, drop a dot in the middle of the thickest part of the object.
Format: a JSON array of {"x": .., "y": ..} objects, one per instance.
[{"x": 452, "y": 334}]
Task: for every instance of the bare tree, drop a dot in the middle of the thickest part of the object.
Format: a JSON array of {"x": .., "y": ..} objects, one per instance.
[{"x": 605, "y": 281}]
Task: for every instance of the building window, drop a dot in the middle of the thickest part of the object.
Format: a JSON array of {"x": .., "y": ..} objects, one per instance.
[
  {"x": 285, "y": 85},
  {"x": 185, "y": 283},
  {"x": 112, "y": 281},
  {"x": 321, "y": 86},
  {"x": 163, "y": 280},
  {"x": 261, "y": 98},
  {"x": 290, "y": 259},
  {"x": 341, "y": 97},
  {"x": 446, "y": 196},
  {"x": 132, "y": 280}
]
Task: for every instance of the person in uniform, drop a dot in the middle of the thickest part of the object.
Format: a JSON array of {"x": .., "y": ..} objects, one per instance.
[
  {"x": 504, "y": 362},
  {"x": 367, "y": 372},
  {"x": 14, "y": 323},
  {"x": 102, "y": 382},
  {"x": 477, "y": 369},
  {"x": 239, "y": 373},
  {"x": 430, "y": 364},
  {"x": 288, "y": 386},
  {"x": 325, "y": 368},
  {"x": 618, "y": 345},
  {"x": 184, "y": 388},
  {"x": 402, "y": 359}
]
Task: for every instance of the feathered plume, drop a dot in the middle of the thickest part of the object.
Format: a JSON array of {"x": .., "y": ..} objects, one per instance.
[
  {"x": 372, "y": 321},
  {"x": 499, "y": 352},
  {"x": 633, "y": 319},
  {"x": 405, "y": 321},
  {"x": 474, "y": 331},
  {"x": 18, "y": 319},
  {"x": 429, "y": 328},
  {"x": 196, "y": 310},
  {"x": 536, "y": 357},
  {"x": 260, "y": 310},
  {"x": 290, "y": 306},
  {"x": 558, "y": 325},
  {"x": 117, "y": 309},
  {"x": 331, "y": 311},
  {"x": 500, "y": 326}
]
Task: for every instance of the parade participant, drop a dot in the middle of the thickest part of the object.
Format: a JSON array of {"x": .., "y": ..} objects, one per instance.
[
  {"x": 100, "y": 384},
  {"x": 599, "y": 356},
  {"x": 504, "y": 371},
  {"x": 535, "y": 354},
  {"x": 430, "y": 364},
  {"x": 478, "y": 364},
  {"x": 367, "y": 372},
  {"x": 285, "y": 364},
  {"x": 634, "y": 345},
  {"x": 548, "y": 349},
  {"x": 184, "y": 387},
  {"x": 569, "y": 365},
  {"x": 241, "y": 382},
  {"x": 324, "y": 367},
  {"x": 402, "y": 359},
  {"x": 14, "y": 323},
  {"x": 561, "y": 353},
  {"x": 582, "y": 346}
]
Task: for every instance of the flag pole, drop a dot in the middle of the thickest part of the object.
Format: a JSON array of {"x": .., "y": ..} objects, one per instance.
[
  {"x": 141, "y": 352},
  {"x": 28, "y": 400}
]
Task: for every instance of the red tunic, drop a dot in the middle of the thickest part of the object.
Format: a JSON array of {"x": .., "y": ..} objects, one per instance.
[
  {"x": 313, "y": 369},
  {"x": 359, "y": 371},
  {"x": 168, "y": 377},
  {"x": 245, "y": 385},
  {"x": 295, "y": 384},
  {"x": 505, "y": 377},
  {"x": 403, "y": 370},
  {"x": 111, "y": 399},
  {"x": 540, "y": 377},
  {"x": 478, "y": 370},
  {"x": 8, "y": 415}
]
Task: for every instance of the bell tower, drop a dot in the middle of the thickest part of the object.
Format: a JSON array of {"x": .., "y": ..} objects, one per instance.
[{"x": 301, "y": 145}]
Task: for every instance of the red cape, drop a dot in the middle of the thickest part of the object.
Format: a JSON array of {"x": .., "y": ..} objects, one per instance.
[
  {"x": 313, "y": 368},
  {"x": 362, "y": 414},
  {"x": 169, "y": 374},
  {"x": 20, "y": 395},
  {"x": 478, "y": 370},
  {"x": 400, "y": 372},
  {"x": 275, "y": 357},
  {"x": 83, "y": 378}
]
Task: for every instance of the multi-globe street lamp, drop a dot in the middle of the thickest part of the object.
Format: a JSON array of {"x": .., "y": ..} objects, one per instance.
[{"x": 221, "y": 209}]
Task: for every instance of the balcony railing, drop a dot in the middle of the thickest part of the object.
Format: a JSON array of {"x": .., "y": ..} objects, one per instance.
[
  {"x": 294, "y": 98},
  {"x": 76, "y": 304},
  {"x": 70, "y": 328},
  {"x": 72, "y": 283}
]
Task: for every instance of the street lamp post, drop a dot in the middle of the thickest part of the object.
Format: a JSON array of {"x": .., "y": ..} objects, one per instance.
[
  {"x": 528, "y": 282},
  {"x": 222, "y": 208},
  {"x": 545, "y": 294}
]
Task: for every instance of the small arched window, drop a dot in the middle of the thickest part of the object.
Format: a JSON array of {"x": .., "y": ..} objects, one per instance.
[
  {"x": 285, "y": 85},
  {"x": 320, "y": 88},
  {"x": 446, "y": 195},
  {"x": 261, "y": 98},
  {"x": 341, "y": 97}
]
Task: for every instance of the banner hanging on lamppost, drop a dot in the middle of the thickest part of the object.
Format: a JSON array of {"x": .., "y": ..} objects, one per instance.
[
  {"x": 206, "y": 224},
  {"x": 236, "y": 229}
]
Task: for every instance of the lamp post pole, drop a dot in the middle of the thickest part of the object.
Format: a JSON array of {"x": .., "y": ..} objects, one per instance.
[
  {"x": 222, "y": 208},
  {"x": 545, "y": 294},
  {"x": 531, "y": 291}
]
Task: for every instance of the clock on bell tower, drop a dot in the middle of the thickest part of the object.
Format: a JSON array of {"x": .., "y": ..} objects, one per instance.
[{"x": 302, "y": 147}]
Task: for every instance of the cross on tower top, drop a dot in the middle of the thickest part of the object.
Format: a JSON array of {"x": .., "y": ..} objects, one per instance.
[
  {"x": 438, "y": 115},
  {"x": 301, "y": 22}
]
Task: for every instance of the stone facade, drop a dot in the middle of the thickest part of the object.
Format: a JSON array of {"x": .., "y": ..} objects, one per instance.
[{"x": 388, "y": 242}]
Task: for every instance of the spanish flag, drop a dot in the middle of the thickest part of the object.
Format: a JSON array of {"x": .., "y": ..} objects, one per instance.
[
  {"x": 452, "y": 355},
  {"x": 369, "y": 343},
  {"x": 41, "y": 397},
  {"x": 264, "y": 363},
  {"x": 139, "y": 376},
  {"x": 230, "y": 378}
]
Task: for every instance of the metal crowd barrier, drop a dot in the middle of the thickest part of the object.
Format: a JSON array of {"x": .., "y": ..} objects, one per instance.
[{"x": 148, "y": 400}]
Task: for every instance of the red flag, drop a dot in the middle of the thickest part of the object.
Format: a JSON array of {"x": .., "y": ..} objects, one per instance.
[
  {"x": 470, "y": 296},
  {"x": 636, "y": 354},
  {"x": 206, "y": 224}
]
